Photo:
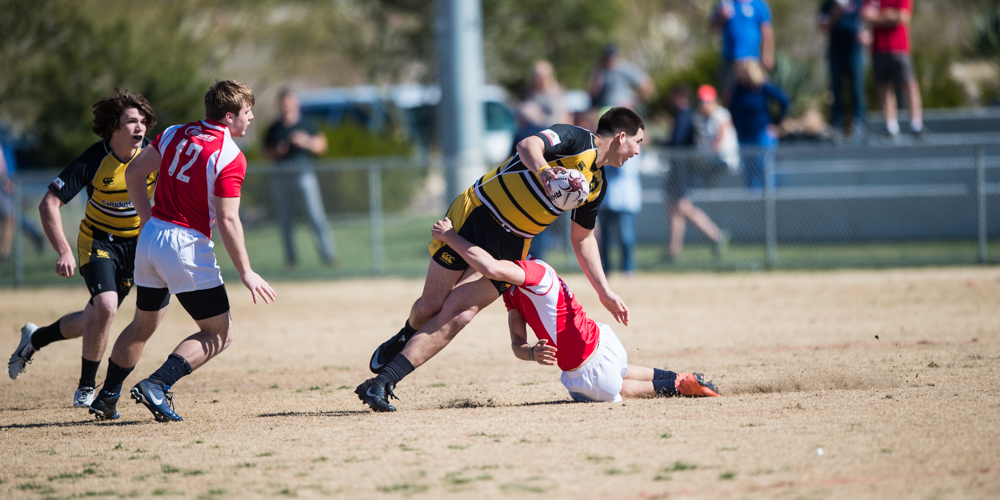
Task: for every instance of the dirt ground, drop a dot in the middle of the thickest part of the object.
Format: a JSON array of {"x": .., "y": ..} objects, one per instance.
[{"x": 860, "y": 384}]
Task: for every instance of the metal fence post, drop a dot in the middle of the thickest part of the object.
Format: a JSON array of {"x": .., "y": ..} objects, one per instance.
[
  {"x": 770, "y": 212},
  {"x": 375, "y": 218},
  {"x": 981, "y": 203}
]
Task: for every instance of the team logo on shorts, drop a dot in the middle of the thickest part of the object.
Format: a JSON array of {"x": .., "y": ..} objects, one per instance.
[
  {"x": 125, "y": 284},
  {"x": 448, "y": 258},
  {"x": 103, "y": 254},
  {"x": 504, "y": 287},
  {"x": 58, "y": 183}
]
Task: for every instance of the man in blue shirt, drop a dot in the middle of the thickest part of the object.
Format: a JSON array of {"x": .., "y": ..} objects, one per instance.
[
  {"x": 847, "y": 37},
  {"x": 747, "y": 33}
]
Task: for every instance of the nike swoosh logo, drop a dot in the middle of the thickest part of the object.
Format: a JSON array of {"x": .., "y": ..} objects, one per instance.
[
  {"x": 368, "y": 392},
  {"x": 156, "y": 401},
  {"x": 374, "y": 362}
]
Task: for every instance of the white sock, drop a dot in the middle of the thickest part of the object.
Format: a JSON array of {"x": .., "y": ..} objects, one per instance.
[
  {"x": 892, "y": 126},
  {"x": 916, "y": 124}
]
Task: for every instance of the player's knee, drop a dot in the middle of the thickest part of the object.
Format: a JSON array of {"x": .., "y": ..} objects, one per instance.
[
  {"x": 428, "y": 307},
  {"x": 463, "y": 318},
  {"x": 106, "y": 305},
  {"x": 228, "y": 338}
]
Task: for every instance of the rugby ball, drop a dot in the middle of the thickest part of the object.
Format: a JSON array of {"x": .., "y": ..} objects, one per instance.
[{"x": 569, "y": 189}]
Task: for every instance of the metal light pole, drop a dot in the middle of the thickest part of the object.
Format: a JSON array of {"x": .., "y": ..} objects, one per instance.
[{"x": 459, "y": 30}]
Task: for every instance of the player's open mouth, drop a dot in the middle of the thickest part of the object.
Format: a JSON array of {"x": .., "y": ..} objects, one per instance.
[{"x": 137, "y": 137}]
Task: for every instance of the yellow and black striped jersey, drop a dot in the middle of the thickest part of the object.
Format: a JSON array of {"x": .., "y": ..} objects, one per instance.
[
  {"x": 516, "y": 197},
  {"x": 109, "y": 208}
]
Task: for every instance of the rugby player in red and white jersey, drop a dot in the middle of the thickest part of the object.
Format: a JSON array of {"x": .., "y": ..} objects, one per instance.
[
  {"x": 594, "y": 364},
  {"x": 201, "y": 171}
]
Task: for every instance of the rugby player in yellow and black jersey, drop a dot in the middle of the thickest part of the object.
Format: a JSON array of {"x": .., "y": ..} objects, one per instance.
[
  {"x": 501, "y": 212},
  {"x": 108, "y": 233}
]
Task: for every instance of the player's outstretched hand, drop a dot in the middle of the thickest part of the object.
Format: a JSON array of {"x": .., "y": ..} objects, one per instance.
[
  {"x": 544, "y": 353},
  {"x": 258, "y": 286},
  {"x": 547, "y": 175},
  {"x": 440, "y": 228},
  {"x": 616, "y": 306}
]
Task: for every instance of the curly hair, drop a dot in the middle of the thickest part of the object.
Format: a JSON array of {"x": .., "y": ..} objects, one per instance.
[
  {"x": 226, "y": 96},
  {"x": 108, "y": 112}
]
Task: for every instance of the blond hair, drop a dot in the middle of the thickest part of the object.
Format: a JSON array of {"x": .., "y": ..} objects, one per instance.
[
  {"x": 751, "y": 72},
  {"x": 226, "y": 96}
]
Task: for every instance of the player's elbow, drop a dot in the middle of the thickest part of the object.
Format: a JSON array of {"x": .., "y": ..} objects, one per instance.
[
  {"x": 491, "y": 271},
  {"x": 49, "y": 204}
]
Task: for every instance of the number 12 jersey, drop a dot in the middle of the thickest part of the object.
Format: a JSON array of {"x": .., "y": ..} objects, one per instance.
[{"x": 199, "y": 162}]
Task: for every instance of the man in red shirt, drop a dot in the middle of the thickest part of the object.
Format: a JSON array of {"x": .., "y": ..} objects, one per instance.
[
  {"x": 892, "y": 65},
  {"x": 201, "y": 171},
  {"x": 594, "y": 363}
]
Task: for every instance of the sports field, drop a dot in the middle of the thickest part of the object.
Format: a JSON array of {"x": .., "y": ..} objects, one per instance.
[{"x": 860, "y": 384}]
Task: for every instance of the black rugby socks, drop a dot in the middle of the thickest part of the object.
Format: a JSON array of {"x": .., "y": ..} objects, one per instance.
[
  {"x": 393, "y": 372},
  {"x": 664, "y": 382},
  {"x": 47, "y": 335},
  {"x": 408, "y": 331},
  {"x": 171, "y": 371},
  {"x": 116, "y": 377},
  {"x": 88, "y": 372}
]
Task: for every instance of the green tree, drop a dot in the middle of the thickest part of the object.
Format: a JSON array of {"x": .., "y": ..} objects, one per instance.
[{"x": 60, "y": 59}]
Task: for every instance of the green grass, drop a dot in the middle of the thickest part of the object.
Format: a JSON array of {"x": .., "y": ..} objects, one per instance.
[
  {"x": 405, "y": 488},
  {"x": 405, "y": 239},
  {"x": 727, "y": 475},
  {"x": 679, "y": 466}
]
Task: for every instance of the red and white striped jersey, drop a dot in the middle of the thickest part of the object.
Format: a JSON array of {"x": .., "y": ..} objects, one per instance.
[
  {"x": 549, "y": 307},
  {"x": 200, "y": 161}
]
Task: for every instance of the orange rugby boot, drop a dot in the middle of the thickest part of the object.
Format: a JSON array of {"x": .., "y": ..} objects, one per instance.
[{"x": 694, "y": 384}]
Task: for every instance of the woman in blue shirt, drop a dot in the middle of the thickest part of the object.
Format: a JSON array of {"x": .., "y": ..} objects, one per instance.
[{"x": 755, "y": 126}]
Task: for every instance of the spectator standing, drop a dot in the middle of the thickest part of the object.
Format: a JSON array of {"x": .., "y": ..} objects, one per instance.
[
  {"x": 8, "y": 211},
  {"x": 293, "y": 144},
  {"x": 10, "y": 216},
  {"x": 617, "y": 215},
  {"x": 841, "y": 19},
  {"x": 618, "y": 83},
  {"x": 710, "y": 129},
  {"x": 755, "y": 127},
  {"x": 544, "y": 105},
  {"x": 892, "y": 63},
  {"x": 747, "y": 33},
  {"x": 548, "y": 95}
]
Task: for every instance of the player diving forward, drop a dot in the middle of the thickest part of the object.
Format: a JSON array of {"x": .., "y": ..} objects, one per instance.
[
  {"x": 500, "y": 213},
  {"x": 594, "y": 363},
  {"x": 106, "y": 242},
  {"x": 201, "y": 173}
]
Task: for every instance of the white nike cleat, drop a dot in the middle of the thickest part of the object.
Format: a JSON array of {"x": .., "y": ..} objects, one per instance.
[
  {"x": 22, "y": 355},
  {"x": 84, "y": 397}
]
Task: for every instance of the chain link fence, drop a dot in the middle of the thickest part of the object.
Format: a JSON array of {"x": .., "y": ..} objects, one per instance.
[{"x": 821, "y": 207}]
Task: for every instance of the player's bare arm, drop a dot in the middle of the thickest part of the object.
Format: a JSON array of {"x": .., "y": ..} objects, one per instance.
[
  {"x": 542, "y": 352},
  {"x": 53, "y": 226},
  {"x": 532, "y": 153},
  {"x": 231, "y": 230},
  {"x": 589, "y": 256},
  {"x": 138, "y": 170},
  {"x": 479, "y": 259}
]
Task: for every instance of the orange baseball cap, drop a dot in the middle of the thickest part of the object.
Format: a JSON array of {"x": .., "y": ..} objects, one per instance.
[{"x": 706, "y": 93}]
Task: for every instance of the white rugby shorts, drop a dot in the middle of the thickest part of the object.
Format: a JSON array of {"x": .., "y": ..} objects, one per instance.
[
  {"x": 600, "y": 380},
  {"x": 177, "y": 258}
]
